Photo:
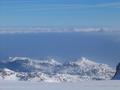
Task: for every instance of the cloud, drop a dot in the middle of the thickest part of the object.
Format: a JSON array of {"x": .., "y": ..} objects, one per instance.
[
  {"x": 112, "y": 5},
  {"x": 12, "y": 30},
  {"x": 45, "y": 7}
]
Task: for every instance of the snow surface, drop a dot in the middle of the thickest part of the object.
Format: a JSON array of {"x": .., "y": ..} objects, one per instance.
[{"x": 83, "y": 85}]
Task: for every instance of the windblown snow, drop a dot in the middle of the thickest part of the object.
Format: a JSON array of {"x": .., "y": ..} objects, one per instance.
[{"x": 27, "y": 69}]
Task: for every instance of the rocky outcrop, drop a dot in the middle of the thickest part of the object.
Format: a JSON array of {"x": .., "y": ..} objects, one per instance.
[{"x": 117, "y": 74}]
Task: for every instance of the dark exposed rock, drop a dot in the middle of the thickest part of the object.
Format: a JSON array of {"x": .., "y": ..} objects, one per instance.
[{"x": 117, "y": 74}]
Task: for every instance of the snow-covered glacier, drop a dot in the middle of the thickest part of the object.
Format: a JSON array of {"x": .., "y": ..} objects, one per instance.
[{"x": 50, "y": 70}]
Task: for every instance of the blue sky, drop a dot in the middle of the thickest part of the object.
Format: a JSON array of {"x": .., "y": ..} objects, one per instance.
[{"x": 81, "y": 13}]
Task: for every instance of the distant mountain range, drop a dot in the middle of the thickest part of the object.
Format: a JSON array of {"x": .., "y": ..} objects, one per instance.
[{"x": 26, "y": 69}]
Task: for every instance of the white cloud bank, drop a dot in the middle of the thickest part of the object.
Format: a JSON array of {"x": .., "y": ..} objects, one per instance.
[{"x": 12, "y": 30}]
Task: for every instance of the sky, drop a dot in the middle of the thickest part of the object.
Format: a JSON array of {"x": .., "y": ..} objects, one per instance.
[{"x": 63, "y": 13}]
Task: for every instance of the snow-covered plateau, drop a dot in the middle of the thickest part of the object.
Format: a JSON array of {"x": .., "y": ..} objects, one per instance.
[
  {"x": 50, "y": 70},
  {"x": 82, "y": 85}
]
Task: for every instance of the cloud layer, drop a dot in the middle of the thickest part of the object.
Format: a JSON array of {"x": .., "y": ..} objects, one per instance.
[
  {"x": 13, "y": 30},
  {"x": 34, "y": 6}
]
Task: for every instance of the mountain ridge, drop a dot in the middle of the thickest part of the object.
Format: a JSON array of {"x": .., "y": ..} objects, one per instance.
[{"x": 23, "y": 68}]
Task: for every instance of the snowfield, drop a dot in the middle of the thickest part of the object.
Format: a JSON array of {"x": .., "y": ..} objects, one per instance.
[{"x": 83, "y": 85}]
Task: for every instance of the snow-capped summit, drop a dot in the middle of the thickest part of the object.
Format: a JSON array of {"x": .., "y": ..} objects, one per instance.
[
  {"x": 83, "y": 61},
  {"x": 18, "y": 58},
  {"x": 88, "y": 69},
  {"x": 8, "y": 70},
  {"x": 50, "y": 61},
  {"x": 24, "y": 64}
]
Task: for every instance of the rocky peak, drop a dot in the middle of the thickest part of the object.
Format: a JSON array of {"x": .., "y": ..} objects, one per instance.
[{"x": 117, "y": 74}]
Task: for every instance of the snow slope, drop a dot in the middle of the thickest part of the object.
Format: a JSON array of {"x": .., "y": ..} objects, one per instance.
[
  {"x": 26, "y": 69},
  {"x": 83, "y": 85}
]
